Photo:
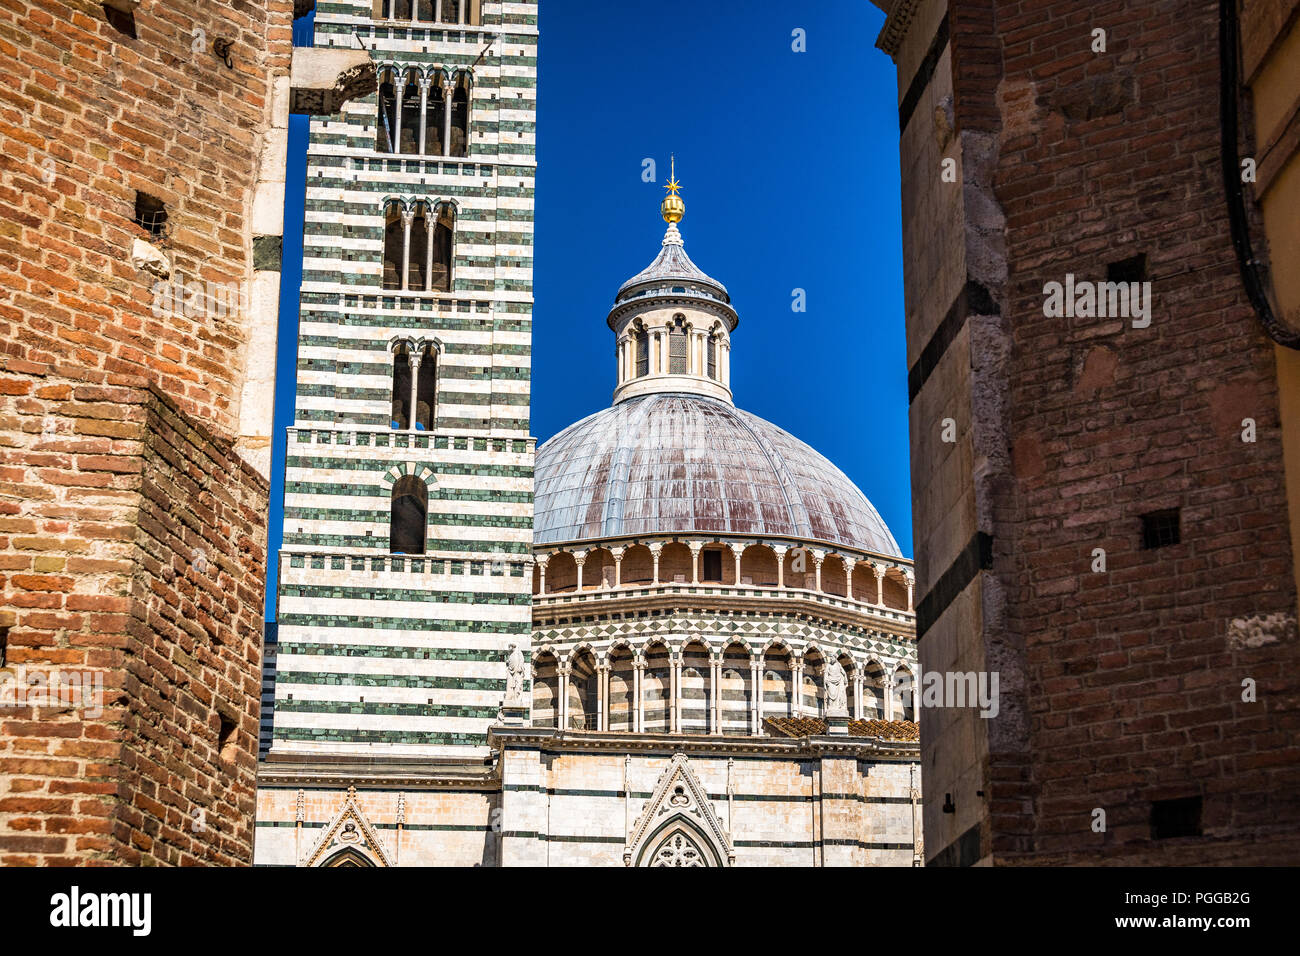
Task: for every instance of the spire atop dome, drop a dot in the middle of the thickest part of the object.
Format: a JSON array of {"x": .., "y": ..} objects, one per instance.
[
  {"x": 672, "y": 208},
  {"x": 673, "y": 264},
  {"x": 672, "y": 322}
]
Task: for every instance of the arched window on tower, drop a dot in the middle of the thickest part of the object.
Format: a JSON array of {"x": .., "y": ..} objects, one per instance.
[
  {"x": 386, "y": 122},
  {"x": 641, "y": 342},
  {"x": 394, "y": 244},
  {"x": 426, "y": 390},
  {"x": 410, "y": 130},
  {"x": 450, "y": 11},
  {"x": 460, "y": 117},
  {"x": 424, "y": 10},
  {"x": 677, "y": 344},
  {"x": 443, "y": 249},
  {"x": 713, "y": 356},
  {"x": 407, "y": 519},
  {"x": 415, "y": 386},
  {"x": 401, "y": 417},
  {"x": 437, "y": 120},
  {"x": 392, "y": 9},
  {"x": 411, "y": 258},
  {"x": 417, "y": 276}
]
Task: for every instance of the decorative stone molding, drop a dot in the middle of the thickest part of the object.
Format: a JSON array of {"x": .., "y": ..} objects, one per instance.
[
  {"x": 901, "y": 13},
  {"x": 678, "y": 801},
  {"x": 349, "y": 830}
]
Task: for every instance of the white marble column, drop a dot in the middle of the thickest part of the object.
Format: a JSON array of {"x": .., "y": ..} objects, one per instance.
[
  {"x": 397, "y": 115},
  {"x": 563, "y": 671},
  {"x": 430, "y": 230},
  {"x": 638, "y": 708},
  {"x": 618, "y": 565},
  {"x": 602, "y": 691},
  {"x": 780, "y": 550},
  {"x": 715, "y": 705},
  {"x": 408, "y": 216},
  {"x": 579, "y": 558},
  {"x": 424, "y": 109},
  {"x": 448, "y": 89},
  {"x": 415, "y": 385},
  {"x": 675, "y": 702}
]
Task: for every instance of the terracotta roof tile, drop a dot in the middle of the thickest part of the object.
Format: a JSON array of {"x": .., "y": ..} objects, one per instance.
[{"x": 816, "y": 726}]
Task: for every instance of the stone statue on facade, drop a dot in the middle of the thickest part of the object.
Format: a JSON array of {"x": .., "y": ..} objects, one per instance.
[
  {"x": 836, "y": 683},
  {"x": 515, "y": 667}
]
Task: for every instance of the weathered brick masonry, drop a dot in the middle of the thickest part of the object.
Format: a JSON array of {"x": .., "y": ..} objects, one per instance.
[
  {"x": 1121, "y": 689},
  {"x": 132, "y": 511},
  {"x": 136, "y": 552}
]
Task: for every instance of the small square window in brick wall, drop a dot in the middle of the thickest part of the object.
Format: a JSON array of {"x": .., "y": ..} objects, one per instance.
[
  {"x": 227, "y": 741},
  {"x": 1180, "y": 817},
  {"x": 1132, "y": 269},
  {"x": 1161, "y": 528},
  {"x": 151, "y": 214},
  {"x": 123, "y": 21}
]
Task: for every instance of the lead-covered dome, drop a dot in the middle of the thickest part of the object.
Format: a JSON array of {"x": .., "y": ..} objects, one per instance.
[{"x": 670, "y": 462}]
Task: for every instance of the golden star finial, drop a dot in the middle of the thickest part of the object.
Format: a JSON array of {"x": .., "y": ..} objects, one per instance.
[
  {"x": 672, "y": 208},
  {"x": 673, "y": 184}
]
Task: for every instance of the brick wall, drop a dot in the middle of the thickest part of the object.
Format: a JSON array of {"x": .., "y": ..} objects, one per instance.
[
  {"x": 1122, "y": 688},
  {"x": 136, "y": 554},
  {"x": 88, "y": 117},
  {"x": 132, "y": 539}
]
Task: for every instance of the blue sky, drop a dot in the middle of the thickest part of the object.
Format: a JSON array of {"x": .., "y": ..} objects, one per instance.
[{"x": 789, "y": 170}]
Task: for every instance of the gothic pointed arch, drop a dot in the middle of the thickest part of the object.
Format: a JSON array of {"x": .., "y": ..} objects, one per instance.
[
  {"x": 348, "y": 857},
  {"x": 349, "y": 839},
  {"x": 678, "y": 825}
]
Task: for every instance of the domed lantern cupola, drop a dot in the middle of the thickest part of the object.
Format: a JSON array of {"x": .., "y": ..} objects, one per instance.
[{"x": 673, "y": 323}]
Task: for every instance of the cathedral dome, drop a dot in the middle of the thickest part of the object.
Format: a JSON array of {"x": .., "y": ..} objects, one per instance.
[{"x": 669, "y": 462}]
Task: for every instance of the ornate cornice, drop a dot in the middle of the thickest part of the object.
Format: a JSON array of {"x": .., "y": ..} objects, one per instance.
[
  {"x": 685, "y": 598},
  {"x": 336, "y": 771},
  {"x": 552, "y": 740},
  {"x": 897, "y": 22},
  {"x": 727, "y": 538}
]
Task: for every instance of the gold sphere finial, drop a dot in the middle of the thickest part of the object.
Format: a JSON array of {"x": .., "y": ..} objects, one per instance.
[{"x": 672, "y": 208}]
